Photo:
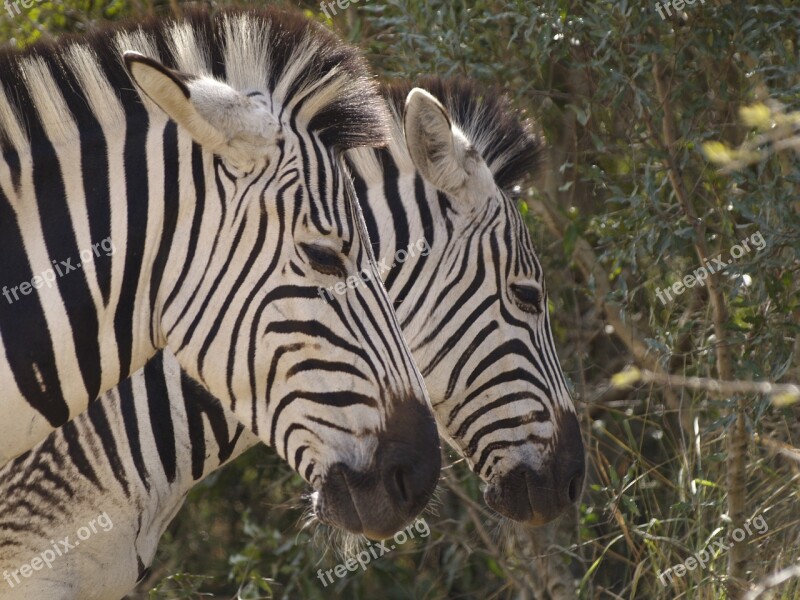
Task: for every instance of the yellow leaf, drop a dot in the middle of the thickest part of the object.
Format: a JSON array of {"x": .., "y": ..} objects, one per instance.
[
  {"x": 785, "y": 399},
  {"x": 756, "y": 115},
  {"x": 717, "y": 152},
  {"x": 626, "y": 378}
]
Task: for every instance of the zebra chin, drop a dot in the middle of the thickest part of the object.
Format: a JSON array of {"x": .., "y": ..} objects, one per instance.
[
  {"x": 387, "y": 496},
  {"x": 536, "y": 495}
]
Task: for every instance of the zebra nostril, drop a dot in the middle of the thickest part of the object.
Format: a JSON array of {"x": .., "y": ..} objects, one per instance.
[
  {"x": 574, "y": 488},
  {"x": 401, "y": 482}
]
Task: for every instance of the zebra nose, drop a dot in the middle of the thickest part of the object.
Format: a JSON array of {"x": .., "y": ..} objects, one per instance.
[
  {"x": 574, "y": 486},
  {"x": 410, "y": 474},
  {"x": 410, "y": 459},
  {"x": 536, "y": 496},
  {"x": 383, "y": 499},
  {"x": 529, "y": 495},
  {"x": 570, "y": 461}
]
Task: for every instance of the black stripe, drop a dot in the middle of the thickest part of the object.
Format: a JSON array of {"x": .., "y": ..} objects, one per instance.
[
  {"x": 62, "y": 245},
  {"x": 499, "y": 424},
  {"x": 199, "y": 402},
  {"x": 102, "y": 428},
  {"x": 414, "y": 280},
  {"x": 128, "y": 406},
  {"x": 314, "y": 364},
  {"x": 94, "y": 164},
  {"x": 476, "y": 342},
  {"x": 454, "y": 341},
  {"x": 199, "y": 200},
  {"x": 329, "y": 399},
  {"x": 161, "y": 419},
  {"x": 361, "y": 190},
  {"x": 19, "y": 319},
  {"x": 503, "y": 445},
  {"x": 394, "y": 203},
  {"x": 271, "y": 376},
  {"x": 223, "y": 201},
  {"x": 69, "y": 431},
  {"x": 509, "y": 377},
  {"x": 540, "y": 416},
  {"x": 137, "y": 202},
  {"x": 245, "y": 272},
  {"x": 194, "y": 422},
  {"x": 171, "y": 205}
]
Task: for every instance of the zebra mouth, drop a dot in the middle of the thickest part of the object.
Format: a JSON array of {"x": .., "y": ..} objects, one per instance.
[
  {"x": 360, "y": 503},
  {"x": 385, "y": 498},
  {"x": 537, "y": 495},
  {"x": 334, "y": 504},
  {"x": 386, "y": 495}
]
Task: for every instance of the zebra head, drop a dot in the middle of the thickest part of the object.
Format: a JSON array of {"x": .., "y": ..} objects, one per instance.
[
  {"x": 328, "y": 382},
  {"x": 474, "y": 308}
]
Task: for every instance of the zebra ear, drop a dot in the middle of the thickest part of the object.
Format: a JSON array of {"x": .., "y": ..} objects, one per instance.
[
  {"x": 219, "y": 118},
  {"x": 430, "y": 141},
  {"x": 440, "y": 152}
]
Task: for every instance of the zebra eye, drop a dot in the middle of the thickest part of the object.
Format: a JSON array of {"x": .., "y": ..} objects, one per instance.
[
  {"x": 528, "y": 298},
  {"x": 325, "y": 260}
]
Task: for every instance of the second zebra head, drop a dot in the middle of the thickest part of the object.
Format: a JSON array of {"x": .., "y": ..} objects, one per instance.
[{"x": 473, "y": 305}]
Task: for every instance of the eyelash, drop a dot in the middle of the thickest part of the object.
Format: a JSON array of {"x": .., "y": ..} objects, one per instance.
[
  {"x": 324, "y": 260},
  {"x": 529, "y": 299}
]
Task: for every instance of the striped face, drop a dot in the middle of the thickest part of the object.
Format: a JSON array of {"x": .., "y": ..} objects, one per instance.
[
  {"x": 328, "y": 382},
  {"x": 230, "y": 208},
  {"x": 473, "y": 302}
]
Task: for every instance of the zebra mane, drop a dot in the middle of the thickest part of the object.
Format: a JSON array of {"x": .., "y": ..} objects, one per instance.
[
  {"x": 319, "y": 81},
  {"x": 501, "y": 134}
]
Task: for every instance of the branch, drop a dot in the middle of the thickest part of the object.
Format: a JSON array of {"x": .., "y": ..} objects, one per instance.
[
  {"x": 782, "y": 393},
  {"x": 737, "y": 437}
]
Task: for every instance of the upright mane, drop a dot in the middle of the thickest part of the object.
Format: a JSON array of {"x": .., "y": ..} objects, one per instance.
[
  {"x": 504, "y": 138},
  {"x": 307, "y": 72}
]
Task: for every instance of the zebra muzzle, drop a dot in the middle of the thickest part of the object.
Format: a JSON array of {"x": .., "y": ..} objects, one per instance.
[
  {"x": 536, "y": 495},
  {"x": 381, "y": 500}
]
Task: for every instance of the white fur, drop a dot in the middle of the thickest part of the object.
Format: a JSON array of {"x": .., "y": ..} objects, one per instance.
[{"x": 190, "y": 56}]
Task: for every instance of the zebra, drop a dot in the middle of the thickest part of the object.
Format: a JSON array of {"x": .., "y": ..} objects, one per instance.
[
  {"x": 391, "y": 194},
  {"x": 116, "y": 463},
  {"x": 227, "y": 129},
  {"x": 474, "y": 310}
]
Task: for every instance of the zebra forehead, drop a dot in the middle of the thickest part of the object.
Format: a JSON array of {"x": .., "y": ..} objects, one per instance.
[{"x": 320, "y": 83}]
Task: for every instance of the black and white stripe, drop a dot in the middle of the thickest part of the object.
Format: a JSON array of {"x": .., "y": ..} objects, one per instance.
[
  {"x": 474, "y": 311},
  {"x": 218, "y": 178},
  {"x": 394, "y": 195},
  {"x": 121, "y": 459}
]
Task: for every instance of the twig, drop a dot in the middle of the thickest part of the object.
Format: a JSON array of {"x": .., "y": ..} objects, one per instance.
[
  {"x": 715, "y": 386},
  {"x": 777, "y": 447}
]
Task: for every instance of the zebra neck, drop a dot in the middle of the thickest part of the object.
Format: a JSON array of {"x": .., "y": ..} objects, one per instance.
[{"x": 83, "y": 214}]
